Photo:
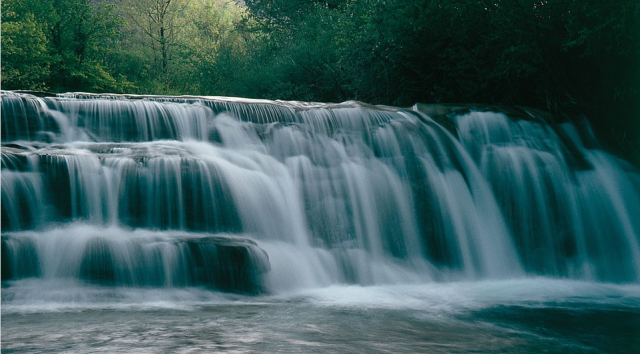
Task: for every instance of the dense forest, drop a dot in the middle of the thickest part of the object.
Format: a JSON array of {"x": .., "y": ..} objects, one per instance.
[{"x": 568, "y": 57}]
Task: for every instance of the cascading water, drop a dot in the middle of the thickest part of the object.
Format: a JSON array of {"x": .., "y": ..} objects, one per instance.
[{"x": 261, "y": 196}]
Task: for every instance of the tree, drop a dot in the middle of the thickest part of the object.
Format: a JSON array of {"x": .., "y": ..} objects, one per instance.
[
  {"x": 25, "y": 60},
  {"x": 80, "y": 32},
  {"x": 158, "y": 24},
  {"x": 59, "y": 45}
]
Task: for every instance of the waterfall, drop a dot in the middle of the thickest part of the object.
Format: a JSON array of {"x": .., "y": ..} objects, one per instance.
[{"x": 265, "y": 196}]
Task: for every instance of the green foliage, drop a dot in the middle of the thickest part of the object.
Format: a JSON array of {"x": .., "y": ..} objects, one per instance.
[
  {"x": 59, "y": 45},
  {"x": 25, "y": 60},
  {"x": 80, "y": 31}
]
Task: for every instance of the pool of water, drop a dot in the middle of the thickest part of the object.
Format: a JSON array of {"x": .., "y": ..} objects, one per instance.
[{"x": 516, "y": 316}]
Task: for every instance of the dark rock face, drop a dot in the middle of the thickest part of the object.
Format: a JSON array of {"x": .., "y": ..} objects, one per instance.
[
  {"x": 19, "y": 258},
  {"x": 213, "y": 261},
  {"x": 226, "y": 264},
  {"x": 98, "y": 262}
]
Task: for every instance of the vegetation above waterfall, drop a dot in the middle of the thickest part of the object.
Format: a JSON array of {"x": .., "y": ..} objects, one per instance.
[{"x": 558, "y": 55}]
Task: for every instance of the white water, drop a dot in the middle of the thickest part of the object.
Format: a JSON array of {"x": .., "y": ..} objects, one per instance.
[{"x": 335, "y": 194}]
